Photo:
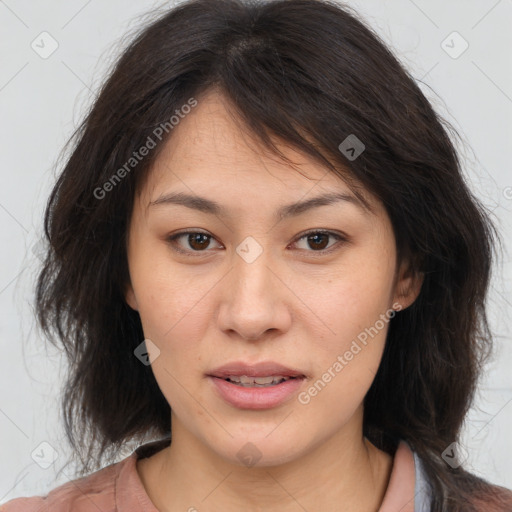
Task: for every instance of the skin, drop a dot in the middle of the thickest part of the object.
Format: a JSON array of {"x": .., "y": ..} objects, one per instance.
[{"x": 292, "y": 305}]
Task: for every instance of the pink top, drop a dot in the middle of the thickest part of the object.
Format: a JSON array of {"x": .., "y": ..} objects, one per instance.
[{"x": 118, "y": 488}]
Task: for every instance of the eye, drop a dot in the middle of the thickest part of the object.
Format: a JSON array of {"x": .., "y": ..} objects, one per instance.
[
  {"x": 198, "y": 241},
  {"x": 318, "y": 239}
]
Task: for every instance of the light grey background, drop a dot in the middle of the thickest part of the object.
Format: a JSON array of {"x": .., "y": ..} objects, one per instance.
[{"x": 42, "y": 99}]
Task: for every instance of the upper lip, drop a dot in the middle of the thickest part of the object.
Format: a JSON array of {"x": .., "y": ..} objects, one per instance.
[{"x": 262, "y": 369}]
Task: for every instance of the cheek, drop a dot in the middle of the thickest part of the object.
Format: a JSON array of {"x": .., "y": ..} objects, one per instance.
[
  {"x": 171, "y": 301},
  {"x": 173, "y": 311},
  {"x": 353, "y": 317},
  {"x": 347, "y": 358},
  {"x": 351, "y": 300}
]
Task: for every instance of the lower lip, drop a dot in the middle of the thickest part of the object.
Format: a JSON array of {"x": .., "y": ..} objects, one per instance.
[{"x": 256, "y": 397}]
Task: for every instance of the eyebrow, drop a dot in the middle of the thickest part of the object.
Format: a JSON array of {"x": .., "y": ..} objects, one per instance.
[{"x": 291, "y": 210}]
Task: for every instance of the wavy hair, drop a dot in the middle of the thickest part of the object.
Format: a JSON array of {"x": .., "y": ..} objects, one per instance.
[{"x": 309, "y": 73}]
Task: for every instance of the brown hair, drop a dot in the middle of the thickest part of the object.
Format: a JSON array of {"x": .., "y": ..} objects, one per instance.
[{"x": 310, "y": 73}]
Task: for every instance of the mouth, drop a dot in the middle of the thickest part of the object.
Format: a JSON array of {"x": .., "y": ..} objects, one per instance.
[
  {"x": 263, "y": 373},
  {"x": 258, "y": 382},
  {"x": 262, "y": 385}
]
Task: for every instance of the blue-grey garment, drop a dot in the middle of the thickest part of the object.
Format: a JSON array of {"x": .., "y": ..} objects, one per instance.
[{"x": 422, "y": 498}]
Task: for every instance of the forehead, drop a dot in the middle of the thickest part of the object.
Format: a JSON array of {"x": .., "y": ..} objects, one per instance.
[
  {"x": 213, "y": 136},
  {"x": 210, "y": 151}
]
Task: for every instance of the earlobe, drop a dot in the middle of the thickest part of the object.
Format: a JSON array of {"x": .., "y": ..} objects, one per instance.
[
  {"x": 408, "y": 287},
  {"x": 130, "y": 297}
]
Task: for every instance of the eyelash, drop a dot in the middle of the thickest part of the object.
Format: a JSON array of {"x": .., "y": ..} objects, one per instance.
[{"x": 340, "y": 238}]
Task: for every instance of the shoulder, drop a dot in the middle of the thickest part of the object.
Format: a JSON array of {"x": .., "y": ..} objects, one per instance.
[
  {"x": 89, "y": 493},
  {"x": 32, "y": 504},
  {"x": 115, "y": 486},
  {"x": 481, "y": 494}
]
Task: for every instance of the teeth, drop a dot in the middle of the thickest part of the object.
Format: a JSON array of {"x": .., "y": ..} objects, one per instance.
[{"x": 244, "y": 380}]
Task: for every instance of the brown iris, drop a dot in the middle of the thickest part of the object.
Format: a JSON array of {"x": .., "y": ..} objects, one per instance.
[
  {"x": 198, "y": 241},
  {"x": 314, "y": 237}
]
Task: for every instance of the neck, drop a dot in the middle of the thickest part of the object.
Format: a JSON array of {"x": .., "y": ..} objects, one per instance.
[{"x": 346, "y": 472}]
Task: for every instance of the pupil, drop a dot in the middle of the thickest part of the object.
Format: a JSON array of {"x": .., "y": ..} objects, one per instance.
[{"x": 316, "y": 236}]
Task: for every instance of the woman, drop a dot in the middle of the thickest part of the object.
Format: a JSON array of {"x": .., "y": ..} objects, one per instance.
[{"x": 263, "y": 255}]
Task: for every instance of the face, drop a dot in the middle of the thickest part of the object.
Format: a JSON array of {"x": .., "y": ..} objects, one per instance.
[{"x": 312, "y": 290}]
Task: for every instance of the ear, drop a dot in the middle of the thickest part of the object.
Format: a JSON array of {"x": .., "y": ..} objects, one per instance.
[
  {"x": 129, "y": 296},
  {"x": 408, "y": 285}
]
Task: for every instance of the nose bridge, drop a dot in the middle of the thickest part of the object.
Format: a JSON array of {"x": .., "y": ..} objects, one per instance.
[
  {"x": 252, "y": 274},
  {"x": 253, "y": 302}
]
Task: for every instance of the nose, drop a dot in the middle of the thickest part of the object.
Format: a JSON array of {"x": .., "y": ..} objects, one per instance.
[{"x": 255, "y": 300}]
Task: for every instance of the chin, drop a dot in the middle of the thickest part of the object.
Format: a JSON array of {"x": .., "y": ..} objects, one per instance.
[{"x": 259, "y": 450}]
